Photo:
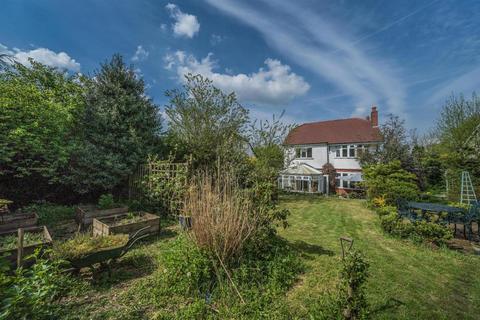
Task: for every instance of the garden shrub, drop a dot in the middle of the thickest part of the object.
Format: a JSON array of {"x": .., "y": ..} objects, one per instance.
[
  {"x": 420, "y": 231},
  {"x": 33, "y": 293},
  {"x": 389, "y": 181},
  {"x": 106, "y": 201},
  {"x": 432, "y": 232},
  {"x": 353, "y": 275},
  {"x": 385, "y": 210}
]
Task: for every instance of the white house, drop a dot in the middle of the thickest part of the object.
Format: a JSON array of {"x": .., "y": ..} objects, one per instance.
[{"x": 339, "y": 142}]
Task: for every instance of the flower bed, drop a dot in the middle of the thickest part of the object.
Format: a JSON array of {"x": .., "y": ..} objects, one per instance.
[
  {"x": 34, "y": 238},
  {"x": 127, "y": 223}
]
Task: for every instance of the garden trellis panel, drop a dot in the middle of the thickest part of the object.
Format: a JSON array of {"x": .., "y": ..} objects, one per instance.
[{"x": 160, "y": 179}]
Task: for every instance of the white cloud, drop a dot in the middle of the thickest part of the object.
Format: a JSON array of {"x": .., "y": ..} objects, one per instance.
[
  {"x": 186, "y": 25},
  {"x": 46, "y": 56},
  {"x": 308, "y": 39},
  {"x": 140, "y": 55},
  {"x": 274, "y": 85}
]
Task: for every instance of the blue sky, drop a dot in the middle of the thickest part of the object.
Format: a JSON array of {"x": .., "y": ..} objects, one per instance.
[{"x": 316, "y": 60}]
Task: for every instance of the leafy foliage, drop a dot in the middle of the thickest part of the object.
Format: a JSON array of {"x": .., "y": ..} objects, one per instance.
[
  {"x": 390, "y": 181},
  {"x": 206, "y": 123},
  {"x": 163, "y": 190},
  {"x": 33, "y": 293},
  {"x": 50, "y": 214},
  {"x": 196, "y": 286},
  {"x": 419, "y": 231},
  {"x": 39, "y": 108},
  {"x": 106, "y": 201},
  {"x": 395, "y": 146}
]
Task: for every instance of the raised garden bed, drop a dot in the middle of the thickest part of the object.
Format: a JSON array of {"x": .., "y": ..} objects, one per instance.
[
  {"x": 34, "y": 238},
  {"x": 84, "y": 215},
  {"x": 127, "y": 223},
  {"x": 13, "y": 221}
]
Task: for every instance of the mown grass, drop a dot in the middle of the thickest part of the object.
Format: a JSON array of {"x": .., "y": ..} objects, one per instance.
[{"x": 407, "y": 281}]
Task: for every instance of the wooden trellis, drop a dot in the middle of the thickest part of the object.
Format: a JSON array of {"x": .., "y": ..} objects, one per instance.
[{"x": 145, "y": 177}]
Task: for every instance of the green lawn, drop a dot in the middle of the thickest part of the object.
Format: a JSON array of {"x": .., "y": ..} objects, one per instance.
[{"x": 407, "y": 281}]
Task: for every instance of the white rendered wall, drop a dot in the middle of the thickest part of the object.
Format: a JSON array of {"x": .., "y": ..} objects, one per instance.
[{"x": 318, "y": 159}]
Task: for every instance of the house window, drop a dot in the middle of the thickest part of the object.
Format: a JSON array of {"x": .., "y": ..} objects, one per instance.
[
  {"x": 350, "y": 151},
  {"x": 304, "y": 153},
  {"x": 342, "y": 181}
]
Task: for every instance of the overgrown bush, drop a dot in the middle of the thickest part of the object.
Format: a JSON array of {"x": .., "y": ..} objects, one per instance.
[
  {"x": 419, "y": 231},
  {"x": 196, "y": 286},
  {"x": 33, "y": 293},
  {"x": 390, "y": 182}
]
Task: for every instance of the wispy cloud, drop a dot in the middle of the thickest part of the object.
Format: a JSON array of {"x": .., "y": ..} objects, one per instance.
[
  {"x": 274, "y": 85},
  {"x": 464, "y": 84},
  {"x": 185, "y": 25},
  {"x": 60, "y": 60},
  {"x": 140, "y": 54},
  {"x": 311, "y": 41}
]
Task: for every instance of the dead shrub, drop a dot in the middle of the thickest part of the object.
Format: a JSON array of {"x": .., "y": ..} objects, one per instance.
[{"x": 222, "y": 215}]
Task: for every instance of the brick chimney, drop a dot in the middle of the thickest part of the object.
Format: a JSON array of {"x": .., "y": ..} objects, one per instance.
[{"x": 374, "y": 116}]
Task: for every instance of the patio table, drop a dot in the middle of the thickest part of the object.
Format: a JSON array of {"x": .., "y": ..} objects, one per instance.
[{"x": 434, "y": 207}]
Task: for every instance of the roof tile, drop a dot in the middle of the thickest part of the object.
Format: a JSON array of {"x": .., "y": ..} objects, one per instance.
[{"x": 334, "y": 131}]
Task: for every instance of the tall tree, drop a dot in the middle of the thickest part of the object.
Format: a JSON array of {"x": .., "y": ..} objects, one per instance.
[
  {"x": 121, "y": 126},
  {"x": 456, "y": 133},
  {"x": 396, "y": 145},
  {"x": 206, "y": 123}
]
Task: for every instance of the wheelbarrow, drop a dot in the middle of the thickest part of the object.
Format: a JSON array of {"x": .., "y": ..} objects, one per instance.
[{"x": 107, "y": 256}]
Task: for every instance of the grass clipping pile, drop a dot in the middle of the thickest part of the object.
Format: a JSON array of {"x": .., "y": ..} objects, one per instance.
[{"x": 84, "y": 244}]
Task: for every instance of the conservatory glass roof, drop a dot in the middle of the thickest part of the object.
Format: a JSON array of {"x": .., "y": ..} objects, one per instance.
[{"x": 300, "y": 169}]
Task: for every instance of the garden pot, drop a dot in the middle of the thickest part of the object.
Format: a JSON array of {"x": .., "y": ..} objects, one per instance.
[{"x": 185, "y": 222}]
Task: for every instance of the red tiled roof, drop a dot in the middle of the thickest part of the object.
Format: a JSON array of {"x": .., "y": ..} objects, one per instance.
[{"x": 334, "y": 131}]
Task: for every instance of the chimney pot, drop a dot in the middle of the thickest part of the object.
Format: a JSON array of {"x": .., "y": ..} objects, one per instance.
[{"x": 374, "y": 116}]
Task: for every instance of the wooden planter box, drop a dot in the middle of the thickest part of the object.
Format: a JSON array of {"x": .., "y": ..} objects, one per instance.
[
  {"x": 12, "y": 254},
  {"x": 84, "y": 215},
  {"x": 11, "y": 222},
  {"x": 106, "y": 226}
]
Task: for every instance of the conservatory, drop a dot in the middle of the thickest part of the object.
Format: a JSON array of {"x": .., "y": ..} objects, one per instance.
[{"x": 303, "y": 178}]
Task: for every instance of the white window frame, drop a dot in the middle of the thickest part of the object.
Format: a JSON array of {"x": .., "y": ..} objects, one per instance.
[
  {"x": 345, "y": 184},
  {"x": 302, "y": 153},
  {"x": 349, "y": 151}
]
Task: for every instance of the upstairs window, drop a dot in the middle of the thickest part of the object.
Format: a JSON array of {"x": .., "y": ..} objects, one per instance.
[
  {"x": 303, "y": 153},
  {"x": 350, "y": 151}
]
